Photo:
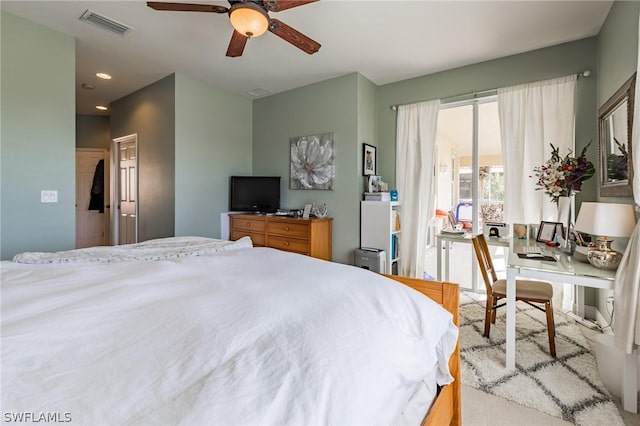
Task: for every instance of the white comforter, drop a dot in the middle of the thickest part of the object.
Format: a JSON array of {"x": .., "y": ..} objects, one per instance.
[{"x": 246, "y": 336}]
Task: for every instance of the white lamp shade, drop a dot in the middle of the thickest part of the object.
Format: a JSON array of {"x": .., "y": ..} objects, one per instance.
[{"x": 606, "y": 219}]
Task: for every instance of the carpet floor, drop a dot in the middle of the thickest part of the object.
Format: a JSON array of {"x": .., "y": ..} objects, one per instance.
[{"x": 567, "y": 387}]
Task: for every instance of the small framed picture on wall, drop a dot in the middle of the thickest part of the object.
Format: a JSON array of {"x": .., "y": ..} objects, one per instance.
[{"x": 368, "y": 160}]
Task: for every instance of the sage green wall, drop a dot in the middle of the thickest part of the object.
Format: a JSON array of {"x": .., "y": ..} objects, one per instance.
[
  {"x": 617, "y": 58},
  {"x": 551, "y": 62},
  {"x": 37, "y": 137},
  {"x": 328, "y": 106},
  {"x": 366, "y": 121},
  {"x": 93, "y": 131},
  {"x": 617, "y": 48},
  {"x": 617, "y": 61},
  {"x": 150, "y": 113},
  {"x": 213, "y": 142}
]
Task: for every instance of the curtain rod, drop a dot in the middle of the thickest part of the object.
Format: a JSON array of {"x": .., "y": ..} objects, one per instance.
[{"x": 475, "y": 95}]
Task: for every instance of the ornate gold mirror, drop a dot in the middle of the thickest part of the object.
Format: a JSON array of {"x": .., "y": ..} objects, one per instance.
[{"x": 615, "y": 120}]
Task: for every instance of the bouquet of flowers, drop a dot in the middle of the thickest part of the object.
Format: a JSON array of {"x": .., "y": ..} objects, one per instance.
[
  {"x": 563, "y": 176},
  {"x": 617, "y": 164}
]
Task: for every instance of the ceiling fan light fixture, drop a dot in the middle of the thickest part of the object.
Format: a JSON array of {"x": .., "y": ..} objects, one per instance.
[{"x": 249, "y": 19}]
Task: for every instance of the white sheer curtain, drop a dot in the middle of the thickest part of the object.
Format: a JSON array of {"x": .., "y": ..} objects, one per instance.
[
  {"x": 626, "y": 318},
  {"x": 533, "y": 116},
  {"x": 415, "y": 153}
]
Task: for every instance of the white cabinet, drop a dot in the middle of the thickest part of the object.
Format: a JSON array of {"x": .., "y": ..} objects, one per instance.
[{"x": 380, "y": 228}]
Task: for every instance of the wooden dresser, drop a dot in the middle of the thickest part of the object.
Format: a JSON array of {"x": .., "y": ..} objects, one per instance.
[{"x": 305, "y": 236}]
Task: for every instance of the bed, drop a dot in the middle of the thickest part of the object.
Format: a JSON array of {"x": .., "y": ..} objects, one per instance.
[{"x": 193, "y": 330}]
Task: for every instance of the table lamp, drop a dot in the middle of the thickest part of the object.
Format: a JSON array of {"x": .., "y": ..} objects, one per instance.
[{"x": 605, "y": 220}]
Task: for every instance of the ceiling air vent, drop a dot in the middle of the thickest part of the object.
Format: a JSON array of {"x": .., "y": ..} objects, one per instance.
[
  {"x": 258, "y": 92},
  {"x": 105, "y": 23}
]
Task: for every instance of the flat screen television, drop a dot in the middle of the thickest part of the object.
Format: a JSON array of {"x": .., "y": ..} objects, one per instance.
[{"x": 259, "y": 194}]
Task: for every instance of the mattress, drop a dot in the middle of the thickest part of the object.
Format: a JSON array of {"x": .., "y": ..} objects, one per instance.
[{"x": 229, "y": 334}]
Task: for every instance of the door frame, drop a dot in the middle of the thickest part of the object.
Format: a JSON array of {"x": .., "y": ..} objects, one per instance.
[
  {"x": 115, "y": 185},
  {"x": 475, "y": 102},
  {"x": 107, "y": 188}
]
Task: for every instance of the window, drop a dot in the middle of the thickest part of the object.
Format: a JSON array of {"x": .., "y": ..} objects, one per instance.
[{"x": 469, "y": 139}]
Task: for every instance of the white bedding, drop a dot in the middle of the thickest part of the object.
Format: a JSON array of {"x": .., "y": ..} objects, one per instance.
[
  {"x": 159, "y": 249},
  {"x": 240, "y": 336}
]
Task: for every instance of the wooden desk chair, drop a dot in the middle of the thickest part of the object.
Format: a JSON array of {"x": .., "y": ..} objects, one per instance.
[{"x": 527, "y": 291}]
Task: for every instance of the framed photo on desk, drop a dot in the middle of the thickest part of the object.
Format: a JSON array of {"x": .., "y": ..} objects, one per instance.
[
  {"x": 547, "y": 231},
  {"x": 520, "y": 231}
]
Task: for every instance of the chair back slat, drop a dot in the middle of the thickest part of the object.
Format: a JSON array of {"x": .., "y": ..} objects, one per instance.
[{"x": 483, "y": 256}]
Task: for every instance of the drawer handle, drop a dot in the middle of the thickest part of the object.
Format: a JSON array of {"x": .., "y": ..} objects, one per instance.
[
  {"x": 286, "y": 243},
  {"x": 286, "y": 228},
  {"x": 248, "y": 225}
]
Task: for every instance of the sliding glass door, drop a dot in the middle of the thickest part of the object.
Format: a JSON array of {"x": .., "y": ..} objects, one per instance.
[{"x": 470, "y": 176}]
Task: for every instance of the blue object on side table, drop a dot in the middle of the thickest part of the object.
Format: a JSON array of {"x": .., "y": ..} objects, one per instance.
[{"x": 394, "y": 195}]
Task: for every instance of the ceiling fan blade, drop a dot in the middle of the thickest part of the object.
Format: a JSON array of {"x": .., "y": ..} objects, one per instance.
[
  {"x": 187, "y": 7},
  {"x": 236, "y": 45},
  {"x": 278, "y": 5},
  {"x": 294, "y": 37}
]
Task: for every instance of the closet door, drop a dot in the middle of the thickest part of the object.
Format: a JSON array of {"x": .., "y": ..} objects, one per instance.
[{"x": 127, "y": 189}]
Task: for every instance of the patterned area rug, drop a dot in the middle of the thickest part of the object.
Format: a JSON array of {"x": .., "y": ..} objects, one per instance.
[{"x": 567, "y": 387}]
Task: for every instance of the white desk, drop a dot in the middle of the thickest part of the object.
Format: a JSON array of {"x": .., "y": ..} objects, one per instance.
[
  {"x": 564, "y": 270},
  {"x": 444, "y": 240}
]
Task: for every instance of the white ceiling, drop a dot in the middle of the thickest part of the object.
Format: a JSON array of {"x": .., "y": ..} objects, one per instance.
[{"x": 386, "y": 41}]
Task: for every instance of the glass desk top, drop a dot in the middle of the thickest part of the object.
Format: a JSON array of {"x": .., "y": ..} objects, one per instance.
[{"x": 565, "y": 264}]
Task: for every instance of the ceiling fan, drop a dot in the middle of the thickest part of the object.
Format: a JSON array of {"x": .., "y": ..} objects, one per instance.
[{"x": 250, "y": 18}]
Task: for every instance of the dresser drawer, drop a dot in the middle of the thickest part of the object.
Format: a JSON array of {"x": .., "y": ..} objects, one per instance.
[
  {"x": 297, "y": 230},
  {"x": 311, "y": 237},
  {"x": 258, "y": 239},
  {"x": 289, "y": 244},
  {"x": 247, "y": 224}
]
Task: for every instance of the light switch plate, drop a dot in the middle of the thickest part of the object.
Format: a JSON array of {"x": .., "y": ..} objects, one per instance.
[{"x": 48, "y": 196}]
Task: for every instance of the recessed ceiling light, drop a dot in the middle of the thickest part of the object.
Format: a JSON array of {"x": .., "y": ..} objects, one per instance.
[
  {"x": 101, "y": 107},
  {"x": 88, "y": 86},
  {"x": 103, "y": 75}
]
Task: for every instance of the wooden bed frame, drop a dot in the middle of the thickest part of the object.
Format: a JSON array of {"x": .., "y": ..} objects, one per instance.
[{"x": 446, "y": 409}]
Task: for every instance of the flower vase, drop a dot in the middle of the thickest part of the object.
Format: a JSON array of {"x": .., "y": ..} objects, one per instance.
[{"x": 565, "y": 216}]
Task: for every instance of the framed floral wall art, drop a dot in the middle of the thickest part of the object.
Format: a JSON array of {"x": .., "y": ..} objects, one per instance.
[{"x": 312, "y": 162}]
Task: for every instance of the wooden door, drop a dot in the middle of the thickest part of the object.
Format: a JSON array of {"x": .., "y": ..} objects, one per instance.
[
  {"x": 90, "y": 224},
  {"x": 127, "y": 191}
]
